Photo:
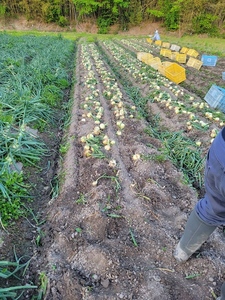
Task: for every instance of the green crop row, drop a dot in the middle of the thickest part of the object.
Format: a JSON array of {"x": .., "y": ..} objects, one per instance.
[{"x": 34, "y": 72}]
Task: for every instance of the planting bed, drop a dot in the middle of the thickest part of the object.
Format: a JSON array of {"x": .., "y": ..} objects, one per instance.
[{"x": 131, "y": 173}]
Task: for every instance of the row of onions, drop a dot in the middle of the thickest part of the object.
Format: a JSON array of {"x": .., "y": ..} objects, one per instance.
[
  {"x": 107, "y": 92},
  {"x": 93, "y": 111}
]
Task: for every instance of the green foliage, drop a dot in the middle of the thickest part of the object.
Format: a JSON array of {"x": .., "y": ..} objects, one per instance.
[
  {"x": 62, "y": 83},
  {"x": 62, "y": 21},
  {"x": 173, "y": 13},
  {"x": 2, "y": 10},
  {"x": 135, "y": 12},
  {"x": 33, "y": 76},
  {"x": 85, "y": 7},
  {"x": 81, "y": 200},
  {"x": 104, "y": 23},
  {"x": 205, "y": 23},
  {"x": 181, "y": 151},
  {"x": 12, "y": 269},
  {"x": 111, "y": 12},
  {"x": 169, "y": 12},
  {"x": 121, "y": 11},
  {"x": 43, "y": 285},
  {"x": 118, "y": 5},
  {"x": 64, "y": 148},
  {"x": 51, "y": 11},
  {"x": 12, "y": 190},
  {"x": 52, "y": 95},
  {"x": 156, "y": 13}
]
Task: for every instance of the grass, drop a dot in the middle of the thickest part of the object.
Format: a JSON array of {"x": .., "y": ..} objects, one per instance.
[
  {"x": 72, "y": 36},
  {"x": 208, "y": 45}
]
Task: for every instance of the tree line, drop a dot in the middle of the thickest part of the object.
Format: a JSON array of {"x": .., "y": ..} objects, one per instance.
[{"x": 189, "y": 16}]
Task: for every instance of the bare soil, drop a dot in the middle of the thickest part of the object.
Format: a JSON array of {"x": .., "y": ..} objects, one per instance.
[
  {"x": 115, "y": 239},
  {"x": 89, "y": 26}
]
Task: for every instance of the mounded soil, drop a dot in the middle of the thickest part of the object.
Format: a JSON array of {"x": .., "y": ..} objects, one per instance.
[{"x": 111, "y": 231}]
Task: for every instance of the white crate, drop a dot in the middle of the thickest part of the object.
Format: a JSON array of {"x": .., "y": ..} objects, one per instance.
[{"x": 174, "y": 47}]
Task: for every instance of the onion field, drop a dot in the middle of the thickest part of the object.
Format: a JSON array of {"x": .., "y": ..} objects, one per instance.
[{"x": 102, "y": 160}]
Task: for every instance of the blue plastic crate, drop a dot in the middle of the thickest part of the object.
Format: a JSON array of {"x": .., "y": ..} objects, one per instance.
[
  {"x": 216, "y": 97},
  {"x": 221, "y": 106},
  {"x": 209, "y": 60}
]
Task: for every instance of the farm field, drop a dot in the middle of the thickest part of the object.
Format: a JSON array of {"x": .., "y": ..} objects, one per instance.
[{"x": 117, "y": 180}]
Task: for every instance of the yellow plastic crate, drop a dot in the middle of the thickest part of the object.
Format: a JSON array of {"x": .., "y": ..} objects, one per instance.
[
  {"x": 140, "y": 55},
  {"x": 174, "y": 55},
  {"x": 168, "y": 53},
  {"x": 163, "y": 51},
  {"x": 149, "y": 40},
  {"x": 184, "y": 50},
  {"x": 162, "y": 67},
  {"x": 147, "y": 59},
  {"x": 181, "y": 58},
  {"x": 193, "y": 53},
  {"x": 158, "y": 43},
  {"x": 144, "y": 56},
  {"x": 175, "y": 73},
  {"x": 165, "y": 45},
  {"x": 194, "y": 63},
  {"x": 155, "y": 62}
]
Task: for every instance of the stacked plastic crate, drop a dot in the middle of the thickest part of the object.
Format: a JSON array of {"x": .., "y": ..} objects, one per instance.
[{"x": 216, "y": 97}]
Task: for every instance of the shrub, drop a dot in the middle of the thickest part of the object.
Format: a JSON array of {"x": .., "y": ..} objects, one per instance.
[
  {"x": 62, "y": 21},
  {"x": 205, "y": 23}
]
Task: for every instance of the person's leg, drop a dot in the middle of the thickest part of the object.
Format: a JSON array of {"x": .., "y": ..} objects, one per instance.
[
  {"x": 209, "y": 211},
  {"x": 222, "y": 297},
  {"x": 195, "y": 234}
]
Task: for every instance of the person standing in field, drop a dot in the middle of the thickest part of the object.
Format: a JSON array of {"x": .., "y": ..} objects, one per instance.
[
  {"x": 209, "y": 212},
  {"x": 156, "y": 36}
]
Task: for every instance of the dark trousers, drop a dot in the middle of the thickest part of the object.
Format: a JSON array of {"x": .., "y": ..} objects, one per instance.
[{"x": 211, "y": 208}]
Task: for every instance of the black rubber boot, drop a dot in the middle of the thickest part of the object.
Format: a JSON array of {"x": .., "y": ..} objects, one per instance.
[
  {"x": 222, "y": 297},
  {"x": 195, "y": 234}
]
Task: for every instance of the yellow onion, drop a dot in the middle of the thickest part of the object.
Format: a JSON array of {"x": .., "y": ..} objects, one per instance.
[
  {"x": 112, "y": 163},
  {"x": 97, "y": 130},
  {"x": 87, "y": 153},
  {"x": 83, "y": 139},
  {"x": 107, "y": 147},
  {"x": 136, "y": 157},
  {"x": 213, "y": 133}
]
